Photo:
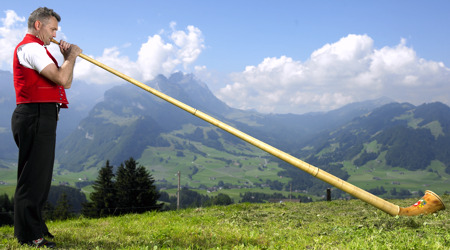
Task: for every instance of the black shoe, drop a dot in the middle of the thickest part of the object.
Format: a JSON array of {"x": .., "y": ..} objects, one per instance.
[
  {"x": 41, "y": 242},
  {"x": 49, "y": 235}
]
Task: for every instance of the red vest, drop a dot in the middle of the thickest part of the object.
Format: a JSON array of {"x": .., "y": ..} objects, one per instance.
[{"x": 30, "y": 86}]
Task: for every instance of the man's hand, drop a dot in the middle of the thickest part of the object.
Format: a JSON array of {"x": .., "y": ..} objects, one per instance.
[
  {"x": 69, "y": 51},
  {"x": 64, "y": 74}
]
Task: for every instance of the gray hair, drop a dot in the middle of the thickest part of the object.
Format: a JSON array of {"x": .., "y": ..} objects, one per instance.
[{"x": 41, "y": 14}]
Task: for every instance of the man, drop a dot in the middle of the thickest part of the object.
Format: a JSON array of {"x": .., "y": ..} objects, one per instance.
[{"x": 39, "y": 84}]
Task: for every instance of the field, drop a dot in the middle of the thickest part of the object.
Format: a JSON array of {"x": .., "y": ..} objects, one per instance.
[
  {"x": 245, "y": 170},
  {"x": 240, "y": 165},
  {"x": 250, "y": 171},
  {"x": 9, "y": 176},
  {"x": 248, "y": 167},
  {"x": 318, "y": 225},
  {"x": 375, "y": 174}
]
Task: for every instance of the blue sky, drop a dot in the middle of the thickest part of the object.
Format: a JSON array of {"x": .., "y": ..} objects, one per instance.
[{"x": 271, "y": 56}]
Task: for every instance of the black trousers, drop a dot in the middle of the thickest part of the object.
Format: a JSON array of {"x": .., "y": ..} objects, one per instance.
[{"x": 34, "y": 130}]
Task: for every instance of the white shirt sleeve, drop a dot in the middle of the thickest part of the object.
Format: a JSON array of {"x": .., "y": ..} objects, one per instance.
[{"x": 33, "y": 56}]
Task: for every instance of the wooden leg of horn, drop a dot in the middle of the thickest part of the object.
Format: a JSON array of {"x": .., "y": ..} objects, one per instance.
[{"x": 428, "y": 204}]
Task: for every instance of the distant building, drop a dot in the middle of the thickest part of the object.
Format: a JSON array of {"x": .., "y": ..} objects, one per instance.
[{"x": 283, "y": 200}]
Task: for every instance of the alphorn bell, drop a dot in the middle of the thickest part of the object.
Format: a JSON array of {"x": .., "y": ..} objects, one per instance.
[{"x": 429, "y": 203}]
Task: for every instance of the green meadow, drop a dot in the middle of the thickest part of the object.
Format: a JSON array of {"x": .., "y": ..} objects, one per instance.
[{"x": 339, "y": 224}]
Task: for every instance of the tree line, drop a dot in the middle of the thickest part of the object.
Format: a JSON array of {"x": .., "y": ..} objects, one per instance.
[
  {"x": 61, "y": 209},
  {"x": 130, "y": 190}
]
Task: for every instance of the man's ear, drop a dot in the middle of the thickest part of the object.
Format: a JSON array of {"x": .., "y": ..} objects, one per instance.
[{"x": 37, "y": 25}]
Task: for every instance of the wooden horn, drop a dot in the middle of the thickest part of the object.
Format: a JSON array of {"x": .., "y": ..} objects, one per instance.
[{"x": 429, "y": 203}]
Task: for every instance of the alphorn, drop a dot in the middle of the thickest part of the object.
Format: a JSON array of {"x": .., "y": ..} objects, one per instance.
[{"x": 429, "y": 203}]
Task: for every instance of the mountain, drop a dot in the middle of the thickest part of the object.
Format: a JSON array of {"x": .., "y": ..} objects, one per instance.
[
  {"x": 127, "y": 121},
  {"x": 288, "y": 131},
  {"x": 372, "y": 144},
  {"x": 281, "y": 130},
  {"x": 130, "y": 122},
  {"x": 8, "y": 149},
  {"x": 410, "y": 136},
  {"x": 394, "y": 144},
  {"x": 82, "y": 98}
]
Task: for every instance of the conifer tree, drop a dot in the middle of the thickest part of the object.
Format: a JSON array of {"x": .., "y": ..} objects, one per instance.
[
  {"x": 104, "y": 196},
  {"x": 62, "y": 208},
  {"x": 47, "y": 211},
  {"x": 135, "y": 187},
  {"x": 222, "y": 199},
  {"x": 6, "y": 210}
]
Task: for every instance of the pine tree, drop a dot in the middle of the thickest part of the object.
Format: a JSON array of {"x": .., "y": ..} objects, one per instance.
[
  {"x": 74, "y": 195},
  {"x": 6, "y": 210},
  {"x": 148, "y": 196},
  {"x": 135, "y": 187},
  {"x": 47, "y": 211},
  {"x": 62, "y": 208},
  {"x": 104, "y": 195},
  {"x": 222, "y": 199}
]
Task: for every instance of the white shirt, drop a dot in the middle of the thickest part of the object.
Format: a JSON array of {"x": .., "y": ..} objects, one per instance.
[{"x": 33, "y": 56}]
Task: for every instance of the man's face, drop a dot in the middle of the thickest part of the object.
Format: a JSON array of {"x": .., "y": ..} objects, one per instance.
[{"x": 46, "y": 30}]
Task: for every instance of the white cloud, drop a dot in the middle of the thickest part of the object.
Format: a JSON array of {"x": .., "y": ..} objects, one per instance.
[
  {"x": 346, "y": 71},
  {"x": 112, "y": 58},
  {"x": 190, "y": 44},
  {"x": 12, "y": 30},
  {"x": 156, "y": 56}
]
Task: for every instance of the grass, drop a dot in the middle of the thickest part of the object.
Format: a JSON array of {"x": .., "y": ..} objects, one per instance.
[
  {"x": 248, "y": 169},
  {"x": 320, "y": 225},
  {"x": 235, "y": 194},
  {"x": 374, "y": 174},
  {"x": 252, "y": 166}
]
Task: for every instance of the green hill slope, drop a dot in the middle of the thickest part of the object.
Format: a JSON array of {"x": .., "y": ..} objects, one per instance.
[
  {"x": 317, "y": 225},
  {"x": 390, "y": 149},
  {"x": 397, "y": 146},
  {"x": 165, "y": 139}
]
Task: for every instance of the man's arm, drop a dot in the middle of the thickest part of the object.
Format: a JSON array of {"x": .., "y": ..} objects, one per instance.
[{"x": 63, "y": 75}]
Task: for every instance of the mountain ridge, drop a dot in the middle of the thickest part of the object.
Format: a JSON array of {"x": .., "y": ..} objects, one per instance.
[
  {"x": 130, "y": 122},
  {"x": 124, "y": 105}
]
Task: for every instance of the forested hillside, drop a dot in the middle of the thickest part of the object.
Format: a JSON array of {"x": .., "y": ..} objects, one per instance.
[
  {"x": 130, "y": 120},
  {"x": 387, "y": 147},
  {"x": 410, "y": 136},
  {"x": 380, "y": 144}
]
